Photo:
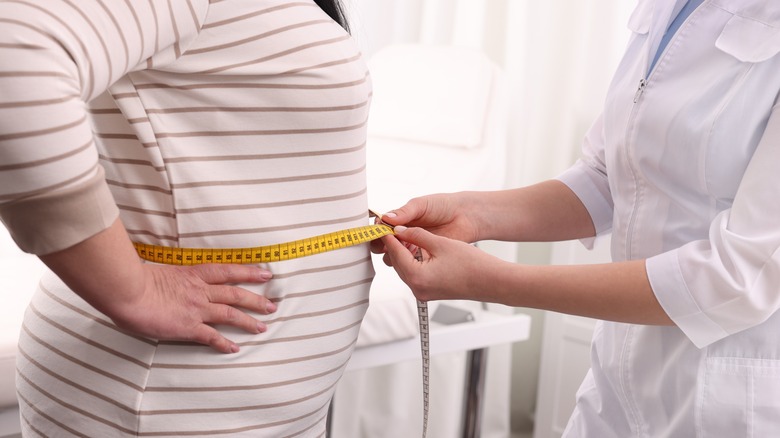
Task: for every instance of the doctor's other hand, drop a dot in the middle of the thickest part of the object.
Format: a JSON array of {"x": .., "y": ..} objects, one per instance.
[{"x": 449, "y": 269}]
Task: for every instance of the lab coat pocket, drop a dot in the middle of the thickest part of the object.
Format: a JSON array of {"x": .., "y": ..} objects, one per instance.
[
  {"x": 750, "y": 39},
  {"x": 740, "y": 397}
]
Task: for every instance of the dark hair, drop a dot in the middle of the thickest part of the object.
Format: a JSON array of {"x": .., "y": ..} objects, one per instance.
[{"x": 335, "y": 10}]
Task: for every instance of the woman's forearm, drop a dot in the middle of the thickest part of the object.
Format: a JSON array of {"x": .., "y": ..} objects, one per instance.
[{"x": 104, "y": 269}]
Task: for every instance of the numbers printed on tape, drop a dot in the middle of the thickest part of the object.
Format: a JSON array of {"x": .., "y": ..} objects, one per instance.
[{"x": 422, "y": 318}]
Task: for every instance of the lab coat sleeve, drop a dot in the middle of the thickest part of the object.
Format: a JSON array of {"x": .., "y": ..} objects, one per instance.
[
  {"x": 730, "y": 282},
  {"x": 588, "y": 179},
  {"x": 56, "y": 56}
]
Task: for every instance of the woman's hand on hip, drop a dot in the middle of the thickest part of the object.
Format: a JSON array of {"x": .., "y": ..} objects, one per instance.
[
  {"x": 180, "y": 303},
  {"x": 185, "y": 302}
]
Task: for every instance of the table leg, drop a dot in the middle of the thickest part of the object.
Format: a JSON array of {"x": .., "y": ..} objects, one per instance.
[{"x": 474, "y": 394}]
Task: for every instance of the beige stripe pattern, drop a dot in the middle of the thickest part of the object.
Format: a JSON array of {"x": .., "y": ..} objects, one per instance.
[{"x": 224, "y": 123}]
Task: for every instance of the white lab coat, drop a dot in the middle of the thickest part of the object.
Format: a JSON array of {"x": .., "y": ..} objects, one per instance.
[{"x": 685, "y": 172}]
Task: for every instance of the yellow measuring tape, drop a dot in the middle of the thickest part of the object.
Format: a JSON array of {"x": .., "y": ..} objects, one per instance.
[
  {"x": 263, "y": 254},
  {"x": 292, "y": 250}
]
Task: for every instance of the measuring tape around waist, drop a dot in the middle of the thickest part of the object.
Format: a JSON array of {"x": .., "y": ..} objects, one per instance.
[
  {"x": 263, "y": 254},
  {"x": 293, "y": 250}
]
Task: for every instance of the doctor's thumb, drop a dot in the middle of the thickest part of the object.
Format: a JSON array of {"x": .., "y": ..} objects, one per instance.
[
  {"x": 416, "y": 236},
  {"x": 404, "y": 215}
]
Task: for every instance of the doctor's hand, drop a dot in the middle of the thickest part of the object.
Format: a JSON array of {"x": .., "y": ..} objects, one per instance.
[
  {"x": 449, "y": 269},
  {"x": 441, "y": 214}
]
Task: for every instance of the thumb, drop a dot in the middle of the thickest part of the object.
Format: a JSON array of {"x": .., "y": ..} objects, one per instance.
[
  {"x": 418, "y": 237},
  {"x": 403, "y": 215},
  {"x": 402, "y": 246}
]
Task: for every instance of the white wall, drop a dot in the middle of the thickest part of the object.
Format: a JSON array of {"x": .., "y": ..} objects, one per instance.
[{"x": 559, "y": 56}]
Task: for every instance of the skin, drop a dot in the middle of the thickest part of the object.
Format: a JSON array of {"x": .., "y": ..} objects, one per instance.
[
  {"x": 179, "y": 303},
  {"x": 445, "y": 225}
]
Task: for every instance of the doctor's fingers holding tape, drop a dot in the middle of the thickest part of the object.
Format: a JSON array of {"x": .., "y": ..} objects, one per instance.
[
  {"x": 443, "y": 268},
  {"x": 453, "y": 215},
  {"x": 445, "y": 214}
]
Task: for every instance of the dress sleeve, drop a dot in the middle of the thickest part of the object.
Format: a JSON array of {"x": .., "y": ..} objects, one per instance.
[
  {"x": 731, "y": 281},
  {"x": 588, "y": 179},
  {"x": 56, "y": 55}
]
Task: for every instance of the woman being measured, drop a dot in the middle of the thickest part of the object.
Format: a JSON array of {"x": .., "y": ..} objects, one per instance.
[{"x": 182, "y": 123}]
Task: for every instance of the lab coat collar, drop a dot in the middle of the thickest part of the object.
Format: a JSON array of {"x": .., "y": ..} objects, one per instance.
[
  {"x": 659, "y": 11},
  {"x": 652, "y": 17},
  {"x": 752, "y": 35}
]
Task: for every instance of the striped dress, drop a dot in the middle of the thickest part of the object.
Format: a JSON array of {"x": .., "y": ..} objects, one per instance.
[{"x": 203, "y": 123}]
